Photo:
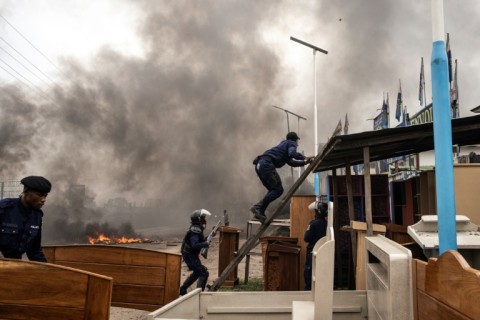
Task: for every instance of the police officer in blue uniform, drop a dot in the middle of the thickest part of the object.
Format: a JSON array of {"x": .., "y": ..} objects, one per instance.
[
  {"x": 192, "y": 244},
  {"x": 21, "y": 220},
  {"x": 317, "y": 229},
  {"x": 265, "y": 167}
]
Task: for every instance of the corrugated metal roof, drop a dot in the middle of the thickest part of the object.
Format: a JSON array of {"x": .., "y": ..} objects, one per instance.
[{"x": 393, "y": 142}]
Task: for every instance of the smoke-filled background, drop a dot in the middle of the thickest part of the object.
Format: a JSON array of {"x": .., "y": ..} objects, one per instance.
[{"x": 158, "y": 108}]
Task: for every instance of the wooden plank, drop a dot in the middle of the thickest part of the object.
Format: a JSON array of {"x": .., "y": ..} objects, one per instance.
[
  {"x": 359, "y": 225},
  {"x": 414, "y": 287},
  {"x": 300, "y": 217},
  {"x": 49, "y": 253},
  {"x": 421, "y": 268},
  {"x": 110, "y": 255},
  {"x": 57, "y": 286},
  {"x": 172, "y": 278},
  {"x": 368, "y": 190},
  {"x": 432, "y": 202},
  {"x": 408, "y": 211},
  {"x": 360, "y": 274},
  {"x": 359, "y": 228},
  {"x": 228, "y": 245},
  {"x": 430, "y": 308},
  {"x": 351, "y": 213},
  {"x": 146, "y": 307},
  {"x": 466, "y": 177},
  {"x": 48, "y": 292},
  {"x": 97, "y": 306},
  {"x": 159, "y": 270},
  {"x": 123, "y": 274},
  {"x": 450, "y": 280},
  {"x": 138, "y": 294},
  {"x": 28, "y": 312},
  {"x": 399, "y": 233}
]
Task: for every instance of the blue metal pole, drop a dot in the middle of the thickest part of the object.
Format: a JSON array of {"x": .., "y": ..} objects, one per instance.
[
  {"x": 442, "y": 129},
  {"x": 316, "y": 180}
]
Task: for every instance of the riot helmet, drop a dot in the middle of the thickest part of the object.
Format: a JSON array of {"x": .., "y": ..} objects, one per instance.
[
  {"x": 199, "y": 217},
  {"x": 320, "y": 208}
]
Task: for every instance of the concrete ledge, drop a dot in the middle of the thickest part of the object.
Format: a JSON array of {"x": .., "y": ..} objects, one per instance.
[
  {"x": 347, "y": 309},
  {"x": 240, "y": 310},
  {"x": 185, "y": 307},
  {"x": 303, "y": 310}
]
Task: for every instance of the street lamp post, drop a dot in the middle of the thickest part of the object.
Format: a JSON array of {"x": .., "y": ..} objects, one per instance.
[
  {"x": 442, "y": 134},
  {"x": 315, "y": 120},
  {"x": 287, "y": 112}
]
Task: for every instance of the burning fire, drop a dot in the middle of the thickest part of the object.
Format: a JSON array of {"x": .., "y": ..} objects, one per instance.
[{"x": 103, "y": 239}]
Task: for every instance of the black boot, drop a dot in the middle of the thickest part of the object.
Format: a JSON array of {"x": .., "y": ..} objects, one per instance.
[
  {"x": 258, "y": 213},
  {"x": 187, "y": 283},
  {"x": 202, "y": 282}
]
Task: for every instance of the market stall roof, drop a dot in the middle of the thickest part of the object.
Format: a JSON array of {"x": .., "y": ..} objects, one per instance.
[{"x": 393, "y": 142}]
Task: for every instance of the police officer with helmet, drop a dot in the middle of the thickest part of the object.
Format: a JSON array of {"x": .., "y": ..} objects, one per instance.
[
  {"x": 317, "y": 229},
  {"x": 192, "y": 244},
  {"x": 21, "y": 220}
]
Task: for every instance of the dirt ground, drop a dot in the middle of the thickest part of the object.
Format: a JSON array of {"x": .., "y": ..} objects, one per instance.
[{"x": 255, "y": 271}]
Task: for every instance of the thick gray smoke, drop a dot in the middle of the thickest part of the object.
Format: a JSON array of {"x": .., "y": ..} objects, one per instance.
[{"x": 179, "y": 127}]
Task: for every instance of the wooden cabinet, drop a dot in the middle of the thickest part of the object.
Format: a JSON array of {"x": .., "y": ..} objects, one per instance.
[
  {"x": 282, "y": 270},
  {"x": 300, "y": 217},
  {"x": 406, "y": 201},
  {"x": 466, "y": 180},
  {"x": 380, "y": 197},
  {"x": 229, "y": 238},
  {"x": 344, "y": 277}
]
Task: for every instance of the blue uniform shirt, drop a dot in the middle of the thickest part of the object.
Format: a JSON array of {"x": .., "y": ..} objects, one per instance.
[
  {"x": 316, "y": 230},
  {"x": 286, "y": 153},
  {"x": 194, "y": 241},
  {"x": 20, "y": 231}
]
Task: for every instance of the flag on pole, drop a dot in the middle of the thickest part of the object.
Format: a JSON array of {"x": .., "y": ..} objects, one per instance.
[
  {"x": 454, "y": 94},
  {"x": 385, "y": 112},
  {"x": 338, "y": 129},
  {"x": 449, "y": 57},
  {"x": 388, "y": 112},
  {"x": 384, "y": 104},
  {"x": 345, "y": 127},
  {"x": 406, "y": 117},
  {"x": 398, "y": 111},
  {"x": 421, "y": 85},
  {"x": 455, "y": 83},
  {"x": 388, "y": 105}
]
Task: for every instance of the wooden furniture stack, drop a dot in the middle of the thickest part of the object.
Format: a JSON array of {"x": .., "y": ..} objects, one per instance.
[
  {"x": 142, "y": 279},
  {"x": 35, "y": 290}
]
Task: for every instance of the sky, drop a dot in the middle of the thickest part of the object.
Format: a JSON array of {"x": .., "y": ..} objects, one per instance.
[{"x": 171, "y": 100}]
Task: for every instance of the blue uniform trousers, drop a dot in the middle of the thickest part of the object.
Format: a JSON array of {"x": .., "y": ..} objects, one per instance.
[{"x": 268, "y": 174}]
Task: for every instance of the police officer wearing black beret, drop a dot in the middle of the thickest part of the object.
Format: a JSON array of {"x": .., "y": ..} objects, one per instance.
[{"x": 21, "y": 220}]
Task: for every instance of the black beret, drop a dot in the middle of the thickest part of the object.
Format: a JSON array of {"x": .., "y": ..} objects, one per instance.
[{"x": 37, "y": 183}]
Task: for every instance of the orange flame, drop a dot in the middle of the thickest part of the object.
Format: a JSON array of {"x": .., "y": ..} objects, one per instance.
[{"x": 103, "y": 239}]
